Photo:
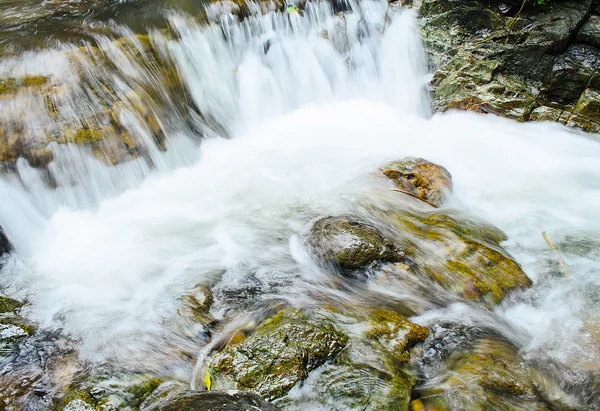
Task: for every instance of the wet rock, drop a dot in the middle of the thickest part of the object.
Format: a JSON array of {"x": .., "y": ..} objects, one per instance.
[
  {"x": 196, "y": 305},
  {"x": 230, "y": 400},
  {"x": 525, "y": 67},
  {"x": 372, "y": 373},
  {"x": 588, "y": 104},
  {"x": 425, "y": 180},
  {"x": 164, "y": 391},
  {"x": 590, "y": 32},
  {"x": 572, "y": 72},
  {"x": 9, "y": 305},
  {"x": 110, "y": 392},
  {"x": 490, "y": 375},
  {"x": 281, "y": 353},
  {"x": 464, "y": 257},
  {"x": 350, "y": 245},
  {"x": 394, "y": 332}
]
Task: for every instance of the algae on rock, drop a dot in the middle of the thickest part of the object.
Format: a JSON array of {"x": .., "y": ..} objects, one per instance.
[{"x": 280, "y": 354}]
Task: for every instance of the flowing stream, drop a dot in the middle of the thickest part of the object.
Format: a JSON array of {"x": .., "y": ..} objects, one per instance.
[{"x": 285, "y": 119}]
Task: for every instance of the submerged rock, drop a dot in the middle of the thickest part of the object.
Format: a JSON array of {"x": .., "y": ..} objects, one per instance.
[
  {"x": 491, "y": 376},
  {"x": 350, "y": 245},
  {"x": 427, "y": 181},
  {"x": 464, "y": 257},
  {"x": 196, "y": 305},
  {"x": 281, "y": 353},
  {"x": 115, "y": 392},
  {"x": 228, "y": 400}
]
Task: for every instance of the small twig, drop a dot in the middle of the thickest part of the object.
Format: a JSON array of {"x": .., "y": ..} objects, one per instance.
[
  {"x": 413, "y": 196},
  {"x": 553, "y": 247}
]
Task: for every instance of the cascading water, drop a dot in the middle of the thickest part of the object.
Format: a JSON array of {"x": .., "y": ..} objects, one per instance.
[{"x": 297, "y": 112}]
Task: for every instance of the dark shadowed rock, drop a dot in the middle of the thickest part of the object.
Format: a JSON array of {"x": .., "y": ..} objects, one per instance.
[
  {"x": 5, "y": 245},
  {"x": 349, "y": 244},
  {"x": 230, "y": 400}
]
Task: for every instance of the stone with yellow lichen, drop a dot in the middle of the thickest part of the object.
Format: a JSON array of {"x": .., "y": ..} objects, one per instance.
[{"x": 423, "y": 179}]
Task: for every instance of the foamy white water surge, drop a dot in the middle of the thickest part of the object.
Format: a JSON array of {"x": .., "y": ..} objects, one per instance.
[{"x": 312, "y": 119}]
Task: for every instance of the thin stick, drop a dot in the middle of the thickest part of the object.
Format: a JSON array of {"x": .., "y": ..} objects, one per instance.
[
  {"x": 413, "y": 196},
  {"x": 553, "y": 247}
]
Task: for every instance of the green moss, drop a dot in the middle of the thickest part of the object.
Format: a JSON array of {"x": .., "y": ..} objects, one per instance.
[
  {"x": 34, "y": 81},
  {"x": 8, "y": 304},
  {"x": 82, "y": 395},
  {"x": 142, "y": 390},
  {"x": 386, "y": 325},
  {"x": 89, "y": 136},
  {"x": 8, "y": 86},
  {"x": 279, "y": 354}
]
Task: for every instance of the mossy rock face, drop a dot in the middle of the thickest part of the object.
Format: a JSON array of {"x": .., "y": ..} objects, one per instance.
[
  {"x": 463, "y": 256},
  {"x": 350, "y": 245},
  {"x": 488, "y": 376},
  {"x": 425, "y": 180},
  {"x": 281, "y": 353},
  {"x": 125, "y": 392},
  {"x": 230, "y": 400},
  {"x": 491, "y": 57}
]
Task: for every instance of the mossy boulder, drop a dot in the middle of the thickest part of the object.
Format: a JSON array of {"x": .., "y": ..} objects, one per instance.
[
  {"x": 110, "y": 392},
  {"x": 281, "y": 353},
  {"x": 350, "y": 245},
  {"x": 462, "y": 255},
  {"x": 215, "y": 401},
  {"x": 423, "y": 179},
  {"x": 394, "y": 332},
  {"x": 490, "y": 375},
  {"x": 372, "y": 373}
]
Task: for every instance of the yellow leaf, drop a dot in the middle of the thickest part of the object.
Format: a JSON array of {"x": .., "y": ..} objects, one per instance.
[{"x": 207, "y": 380}]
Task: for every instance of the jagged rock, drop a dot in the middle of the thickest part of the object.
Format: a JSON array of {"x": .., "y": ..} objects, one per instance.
[
  {"x": 230, "y": 400},
  {"x": 425, "y": 180},
  {"x": 590, "y": 32},
  {"x": 350, "y": 245},
  {"x": 525, "y": 68},
  {"x": 572, "y": 72},
  {"x": 281, "y": 353},
  {"x": 588, "y": 105}
]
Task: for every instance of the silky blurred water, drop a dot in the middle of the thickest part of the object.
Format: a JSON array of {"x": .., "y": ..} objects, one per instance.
[{"x": 296, "y": 113}]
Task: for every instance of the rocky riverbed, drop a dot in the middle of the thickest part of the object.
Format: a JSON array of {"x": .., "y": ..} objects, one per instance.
[{"x": 350, "y": 344}]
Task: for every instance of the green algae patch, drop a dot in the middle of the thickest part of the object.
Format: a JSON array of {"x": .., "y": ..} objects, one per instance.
[
  {"x": 463, "y": 255},
  {"x": 9, "y": 305},
  {"x": 394, "y": 331}
]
